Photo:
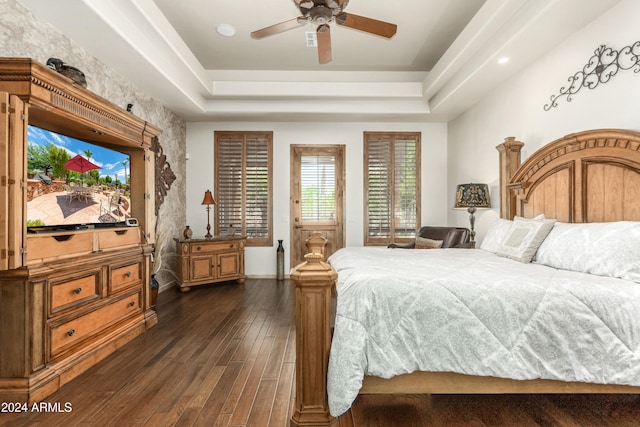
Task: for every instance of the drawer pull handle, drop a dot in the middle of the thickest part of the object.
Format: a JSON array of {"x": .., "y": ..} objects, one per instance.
[
  {"x": 77, "y": 290},
  {"x": 198, "y": 248},
  {"x": 71, "y": 332},
  {"x": 132, "y": 303},
  {"x": 128, "y": 274}
]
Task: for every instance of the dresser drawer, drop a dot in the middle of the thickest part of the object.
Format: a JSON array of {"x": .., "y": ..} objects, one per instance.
[
  {"x": 121, "y": 238},
  {"x": 45, "y": 247},
  {"x": 124, "y": 277},
  {"x": 213, "y": 247},
  {"x": 71, "y": 292},
  {"x": 67, "y": 334}
]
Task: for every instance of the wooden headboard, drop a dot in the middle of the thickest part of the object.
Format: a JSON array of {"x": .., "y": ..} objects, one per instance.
[{"x": 590, "y": 176}]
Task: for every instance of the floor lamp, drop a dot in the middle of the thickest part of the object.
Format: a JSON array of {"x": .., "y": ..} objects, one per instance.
[
  {"x": 208, "y": 201},
  {"x": 472, "y": 197}
]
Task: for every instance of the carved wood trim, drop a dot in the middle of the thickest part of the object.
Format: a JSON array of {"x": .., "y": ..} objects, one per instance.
[
  {"x": 589, "y": 140},
  {"x": 617, "y": 145},
  {"x": 164, "y": 174},
  {"x": 51, "y": 95}
]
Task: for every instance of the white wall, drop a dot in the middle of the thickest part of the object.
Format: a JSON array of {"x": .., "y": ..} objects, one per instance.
[
  {"x": 260, "y": 261},
  {"x": 516, "y": 107}
]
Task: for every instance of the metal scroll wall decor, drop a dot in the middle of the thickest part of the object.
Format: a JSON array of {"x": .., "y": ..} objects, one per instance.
[
  {"x": 164, "y": 174},
  {"x": 604, "y": 64}
]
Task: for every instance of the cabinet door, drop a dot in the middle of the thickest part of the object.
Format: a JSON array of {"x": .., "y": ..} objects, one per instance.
[
  {"x": 13, "y": 191},
  {"x": 202, "y": 267},
  {"x": 228, "y": 265},
  {"x": 4, "y": 171}
]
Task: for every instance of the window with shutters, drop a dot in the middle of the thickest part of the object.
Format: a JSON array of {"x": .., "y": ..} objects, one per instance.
[
  {"x": 243, "y": 185},
  {"x": 392, "y": 187}
]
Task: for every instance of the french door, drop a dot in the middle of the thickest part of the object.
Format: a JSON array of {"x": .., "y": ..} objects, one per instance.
[{"x": 317, "y": 191}]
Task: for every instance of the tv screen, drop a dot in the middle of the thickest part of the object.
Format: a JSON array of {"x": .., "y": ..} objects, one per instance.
[{"x": 74, "y": 183}]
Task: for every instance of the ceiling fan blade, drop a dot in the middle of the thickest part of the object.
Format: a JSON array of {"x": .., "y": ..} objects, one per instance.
[
  {"x": 278, "y": 28},
  {"x": 369, "y": 25},
  {"x": 324, "y": 43}
]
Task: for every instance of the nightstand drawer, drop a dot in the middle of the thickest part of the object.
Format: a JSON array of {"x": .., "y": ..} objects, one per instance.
[
  {"x": 68, "y": 293},
  {"x": 203, "y": 248}
]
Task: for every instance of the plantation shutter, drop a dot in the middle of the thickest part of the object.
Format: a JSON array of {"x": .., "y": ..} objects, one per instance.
[
  {"x": 243, "y": 185},
  {"x": 404, "y": 188},
  {"x": 392, "y": 187},
  {"x": 379, "y": 171},
  {"x": 228, "y": 193},
  {"x": 257, "y": 188},
  {"x": 318, "y": 183}
]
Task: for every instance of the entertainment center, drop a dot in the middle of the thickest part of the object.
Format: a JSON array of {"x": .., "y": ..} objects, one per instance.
[{"x": 69, "y": 296}]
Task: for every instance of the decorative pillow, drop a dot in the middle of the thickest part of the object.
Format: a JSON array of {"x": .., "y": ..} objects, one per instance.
[
  {"x": 424, "y": 243},
  {"x": 523, "y": 238},
  {"x": 497, "y": 231},
  {"x": 602, "y": 248}
]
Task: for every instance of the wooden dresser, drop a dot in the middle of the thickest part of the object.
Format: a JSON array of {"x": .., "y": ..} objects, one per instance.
[
  {"x": 202, "y": 261},
  {"x": 69, "y": 297}
]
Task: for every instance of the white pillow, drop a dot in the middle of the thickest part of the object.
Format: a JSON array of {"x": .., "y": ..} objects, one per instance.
[
  {"x": 495, "y": 235},
  {"x": 523, "y": 238},
  {"x": 602, "y": 248},
  {"x": 497, "y": 232}
]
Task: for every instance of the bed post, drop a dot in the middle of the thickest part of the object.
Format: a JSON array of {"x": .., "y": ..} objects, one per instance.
[
  {"x": 314, "y": 281},
  {"x": 509, "y": 163}
]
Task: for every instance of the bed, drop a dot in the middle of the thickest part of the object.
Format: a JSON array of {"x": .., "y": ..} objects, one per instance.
[{"x": 478, "y": 335}]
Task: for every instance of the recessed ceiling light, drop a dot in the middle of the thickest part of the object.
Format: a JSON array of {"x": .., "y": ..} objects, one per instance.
[
  {"x": 503, "y": 60},
  {"x": 226, "y": 30}
]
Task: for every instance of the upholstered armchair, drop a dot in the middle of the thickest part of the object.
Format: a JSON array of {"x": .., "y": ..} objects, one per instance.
[{"x": 451, "y": 237}]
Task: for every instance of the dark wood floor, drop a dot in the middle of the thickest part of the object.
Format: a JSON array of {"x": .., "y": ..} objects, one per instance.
[{"x": 223, "y": 355}]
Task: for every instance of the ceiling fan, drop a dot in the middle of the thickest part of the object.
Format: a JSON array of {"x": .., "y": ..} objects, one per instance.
[{"x": 321, "y": 13}]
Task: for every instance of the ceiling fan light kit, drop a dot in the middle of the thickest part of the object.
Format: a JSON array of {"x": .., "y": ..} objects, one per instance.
[{"x": 321, "y": 13}]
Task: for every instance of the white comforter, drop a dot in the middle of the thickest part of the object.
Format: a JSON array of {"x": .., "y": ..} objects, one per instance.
[{"x": 472, "y": 312}]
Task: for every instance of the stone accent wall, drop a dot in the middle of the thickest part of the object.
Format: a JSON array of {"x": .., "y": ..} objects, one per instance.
[{"x": 22, "y": 34}]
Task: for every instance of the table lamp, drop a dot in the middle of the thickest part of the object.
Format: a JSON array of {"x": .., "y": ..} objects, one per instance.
[
  {"x": 472, "y": 197},
  {"x": 208, "y": 201}
]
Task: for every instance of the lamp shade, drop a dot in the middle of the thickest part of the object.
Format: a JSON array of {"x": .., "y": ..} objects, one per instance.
[
  {"x": 208, "y": 198},
  {"x": 472, "y": 196}
]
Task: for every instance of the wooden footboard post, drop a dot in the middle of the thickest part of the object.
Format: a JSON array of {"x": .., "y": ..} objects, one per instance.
[{"x": 314, "y": 280}]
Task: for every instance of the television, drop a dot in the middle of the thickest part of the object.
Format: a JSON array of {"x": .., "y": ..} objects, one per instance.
[{"x": 75, "y": 184}]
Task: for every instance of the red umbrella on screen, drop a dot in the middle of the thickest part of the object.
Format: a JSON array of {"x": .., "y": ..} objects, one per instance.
[{"x": 80, "y": 164}]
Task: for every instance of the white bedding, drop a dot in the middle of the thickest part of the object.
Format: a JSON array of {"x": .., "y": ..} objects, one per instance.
[{"x": 472, "y": 312}]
